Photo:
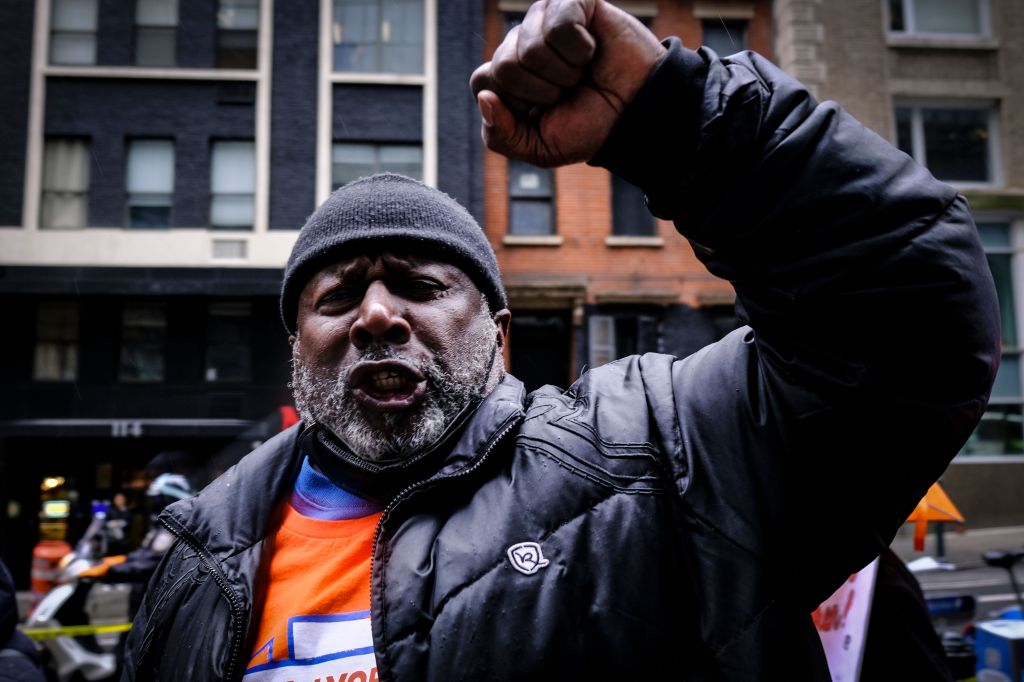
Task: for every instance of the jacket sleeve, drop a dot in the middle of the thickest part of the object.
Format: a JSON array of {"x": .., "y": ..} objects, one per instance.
[{"x": 873, "y": 340}]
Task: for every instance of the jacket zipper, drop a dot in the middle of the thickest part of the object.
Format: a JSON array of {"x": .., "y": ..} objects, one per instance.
[
  {"x": 206, "y": 558},
  {"x": 513, "y": 421}
]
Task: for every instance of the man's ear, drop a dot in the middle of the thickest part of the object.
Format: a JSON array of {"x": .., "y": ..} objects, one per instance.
[
  {"x": 292, "y": 338},
  {"x": 502, "y": 319}
]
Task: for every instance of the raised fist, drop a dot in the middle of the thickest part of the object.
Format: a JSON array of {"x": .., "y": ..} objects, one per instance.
[{"x": 557, "y": 84}]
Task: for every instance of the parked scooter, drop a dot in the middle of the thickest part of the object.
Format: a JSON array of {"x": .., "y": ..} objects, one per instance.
[{"x": 67, "y": 656}]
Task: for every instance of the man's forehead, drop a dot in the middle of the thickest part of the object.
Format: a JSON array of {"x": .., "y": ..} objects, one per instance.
[{"x": 396, "y": 260}]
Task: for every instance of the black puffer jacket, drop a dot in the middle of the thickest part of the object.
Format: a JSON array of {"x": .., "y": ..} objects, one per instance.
[{"x": 690, "y": 512}]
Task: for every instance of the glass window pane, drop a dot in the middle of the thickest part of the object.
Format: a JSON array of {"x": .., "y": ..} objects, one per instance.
[
  {"x": 994, "y": 235},
  {"x": 404, "y": 159},
  {"x": 73, "y": 48},
  {"x": 1001, "y": 432},
  {"x": 238, "y": 14},
  {"x": 725, "y": 36},
  {"x": 156, "y": 12},
  {"x": 143, "y": 331},
  {"x": 947, "y": 16},
  {"x": 1008, "y": 377},
  {"x": 351, "y": 161},
  {"x": 228, "y": 351},
  {"x": 151, "y": 166},
  {"x": 236, "y": 49},
  {"x": 629, "y": 210},
  {"x": 73, "y": 15},
  {"x": 1001, "y": 266},
  {"x": 233, "y": 167},
  {"x": 956, "y": 143},
  {"x": 55, "y": 357},
  {"x": 402, "y": 37},
  {"x": 232, "y": 211},
  {"x": 378, "y": 36},
  {"x": 65, "y": 198},
  {"x": 896, "y": 21},
  {"x": 530, "y": 217},
  {"x": 155, "y": 46},
  {"x": 63, "y": 210},
  {"x": 149, "y": 217},
  {"x": 66, "y": 165},
  {"x": 904, "y": 134},
  {"x": 526, "y": 180}
]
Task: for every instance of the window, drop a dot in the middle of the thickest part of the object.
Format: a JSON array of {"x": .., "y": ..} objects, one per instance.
[
  {"x": 150, "y": 183},
  {"x": 232, "y": 185},
  {"x": 956, "y": 142},
  {"x": 530, "y": 205},
  {"x": 725, "y": 36},
  {"x": 378, "y": 36},
  {"x": 73, "y": 32},
  {"x": 1001, "y": 430},
  {"x": 630, "y": 217},
  {"x": 156, "y": 23},
  {"x": 143, "y": 332},
  {"x": 65, "y": 192},
  {"x": 238, "y": 23},
  {"x": 611, "y": 337},
  {"x": 939, "y": 17},
  {"x": 56, "y": 349},
  {"x": 228, "y": 350},
  {"x": 351, "y": 161}
]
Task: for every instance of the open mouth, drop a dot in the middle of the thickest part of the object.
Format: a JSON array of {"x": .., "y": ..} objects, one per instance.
[{"x": 387, "y": 384}]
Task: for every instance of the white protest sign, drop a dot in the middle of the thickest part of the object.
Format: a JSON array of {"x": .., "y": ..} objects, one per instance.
[{"x": 842, "y": 623}]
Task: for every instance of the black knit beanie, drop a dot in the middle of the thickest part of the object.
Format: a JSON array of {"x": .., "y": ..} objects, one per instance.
[{"x": 384, "y": 209}]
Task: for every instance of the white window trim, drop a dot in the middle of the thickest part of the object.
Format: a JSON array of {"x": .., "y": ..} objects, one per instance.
[
  {"x": 325, "y": 95},
  {"x": 994, "y": 134},
  {"x": 909, "y": 21},
  {"x": 150, "y": 72}
]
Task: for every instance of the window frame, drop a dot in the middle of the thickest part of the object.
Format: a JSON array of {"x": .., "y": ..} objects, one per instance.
[
  {"x": 224, "y": 55},
  {"x": 724, "y": 20},
  {"x": 526, "y": 198},
  {"x": 141, "y": 28},
  {"x": 78, "y": 195},
  {"x": 1015, "y": 250},
  {"x": 161, "y": 347},
  {"x": 129, "y": 194},
  {"x": 228, "y": 308},
  {"x": 214, "y": 194},
  {"x": 910, "y": 23},
  {"x": 377, "y": 146},
  {"x": 920, "y": 153},
  {"x": 626, "y": 227},
  {"x": 336, "y": 33},
  {"x": 68, "y": 372},
  {"x": 65, "y": 31}
]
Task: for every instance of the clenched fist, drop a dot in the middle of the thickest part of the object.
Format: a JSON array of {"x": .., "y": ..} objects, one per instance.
[{"x": 558, "y": 83}]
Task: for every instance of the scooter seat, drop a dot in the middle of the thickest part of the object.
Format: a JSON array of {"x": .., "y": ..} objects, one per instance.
[{"x": 999, "y": 558}]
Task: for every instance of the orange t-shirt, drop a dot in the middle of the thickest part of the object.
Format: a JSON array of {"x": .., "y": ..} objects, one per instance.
[{"x": 315, "y": 620}]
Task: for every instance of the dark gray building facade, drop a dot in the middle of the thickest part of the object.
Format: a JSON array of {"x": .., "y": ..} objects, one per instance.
[{"x": 157, "y": 160}]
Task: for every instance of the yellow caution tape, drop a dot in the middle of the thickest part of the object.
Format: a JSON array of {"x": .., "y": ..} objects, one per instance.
[{"x": 75, "y": 630}]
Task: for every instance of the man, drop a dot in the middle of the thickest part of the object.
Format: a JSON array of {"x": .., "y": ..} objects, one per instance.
[{"x": 663, "y": 517}]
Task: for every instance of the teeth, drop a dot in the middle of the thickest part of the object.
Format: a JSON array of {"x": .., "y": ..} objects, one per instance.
[{"x": 387, "y": 380}]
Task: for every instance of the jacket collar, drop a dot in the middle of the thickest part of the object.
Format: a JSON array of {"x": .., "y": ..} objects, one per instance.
[
  {"x": 464, "y": 439},
  {"x": 234, "y": 512}
]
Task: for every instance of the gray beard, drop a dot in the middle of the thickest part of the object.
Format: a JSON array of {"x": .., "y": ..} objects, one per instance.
[{"x": 466, "y": 372}]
